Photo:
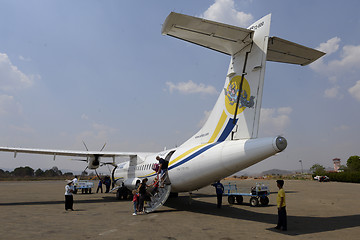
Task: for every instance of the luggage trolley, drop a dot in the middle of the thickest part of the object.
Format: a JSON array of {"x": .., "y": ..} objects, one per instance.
[{"x": 257, "y": 194}]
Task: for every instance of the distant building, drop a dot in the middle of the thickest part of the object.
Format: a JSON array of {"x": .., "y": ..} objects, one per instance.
[{"x": 337, "y": 163}]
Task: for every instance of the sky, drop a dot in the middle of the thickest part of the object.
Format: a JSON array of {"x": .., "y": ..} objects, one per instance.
[{"x": 101, "y": 72}]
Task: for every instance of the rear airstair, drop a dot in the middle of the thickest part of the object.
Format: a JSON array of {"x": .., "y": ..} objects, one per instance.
[{"x": 158, "y": 199}]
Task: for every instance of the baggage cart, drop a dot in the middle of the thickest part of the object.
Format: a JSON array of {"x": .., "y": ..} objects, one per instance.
[
  {"x": 84, "y": 185},
  {"x": 258, "y": 194}
]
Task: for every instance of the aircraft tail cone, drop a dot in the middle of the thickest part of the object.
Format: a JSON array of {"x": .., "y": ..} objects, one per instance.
[{"x": 280, "y": 143}]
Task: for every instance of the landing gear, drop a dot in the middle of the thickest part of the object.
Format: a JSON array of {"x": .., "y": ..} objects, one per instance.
[{"x": 123, "y": 193}]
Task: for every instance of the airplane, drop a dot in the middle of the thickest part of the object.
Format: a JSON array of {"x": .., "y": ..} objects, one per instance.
[{"x": 228, "y": 141}]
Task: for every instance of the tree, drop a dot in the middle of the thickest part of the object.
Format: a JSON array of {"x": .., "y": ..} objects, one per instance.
[
  {"x": 353, "y": 163},
  {"x": 318, "y": 169},
  {"x": 4, "y": 173},
  {"x": 23, "y": 171},
  {"x": 56, "y": 171},
  {"x": 39, "y": 172}
]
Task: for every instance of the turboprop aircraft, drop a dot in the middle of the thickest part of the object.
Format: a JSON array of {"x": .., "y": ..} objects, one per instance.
[{"x": 227, "y": 142}]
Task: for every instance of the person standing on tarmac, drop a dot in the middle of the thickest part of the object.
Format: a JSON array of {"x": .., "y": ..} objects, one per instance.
[
  {"x": 69, "y": 201},
  {"x": 107, "y": 182},
  {"x": 75, "y": 182},
  {"x": 142, "y": 192},
  {"x": 219, "y": 192},
  {"x": 99, "y": 186},
  {"x": 281, "y": 204}
]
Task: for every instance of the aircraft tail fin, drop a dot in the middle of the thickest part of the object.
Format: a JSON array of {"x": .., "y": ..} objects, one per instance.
[{"x": 236, "y": 113}]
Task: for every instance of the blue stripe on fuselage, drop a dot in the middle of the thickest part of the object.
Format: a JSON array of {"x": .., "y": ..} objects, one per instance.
[{"x": 229, "y": 127}]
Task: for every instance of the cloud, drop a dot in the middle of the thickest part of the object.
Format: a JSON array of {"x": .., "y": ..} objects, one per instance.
[
  {"x": 23, "y": 129},
  {"x": 332, "y": 92},
  {"x": 84, "y": 116},
  {"x": 96, "y": 133},
  {"x": 224, "y": 11},
  {"x": 274, "y": 121},
  {"x": 331, "y": 46},
  {"x": 11, "y": 77},
  {"x": 340, "y": 68},
  {"x": 22, "y": 58},
  {"x": 355, "y": 90},
  {"x": 8, "y": 105},
  {"x": 349, "y": 58},
  {"x": 191, "y": 87},
  {"x": 342, "y": 128}
]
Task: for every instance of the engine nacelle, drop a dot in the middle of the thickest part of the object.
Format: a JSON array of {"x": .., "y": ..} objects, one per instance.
[
  {"x": 94, "y": 162},
  {"x": 130, "y": 183}
]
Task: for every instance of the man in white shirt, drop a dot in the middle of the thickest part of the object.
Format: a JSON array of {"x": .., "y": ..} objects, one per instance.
[
  {"x": 75, "y": 181},
  {"x": 69, "y": 189}
]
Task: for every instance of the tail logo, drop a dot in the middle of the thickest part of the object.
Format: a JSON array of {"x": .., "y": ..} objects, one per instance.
[{"x": 232, "y": 92}]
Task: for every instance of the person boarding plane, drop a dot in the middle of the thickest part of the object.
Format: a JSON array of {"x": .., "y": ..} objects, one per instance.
[{"x": 228, "y": 142}]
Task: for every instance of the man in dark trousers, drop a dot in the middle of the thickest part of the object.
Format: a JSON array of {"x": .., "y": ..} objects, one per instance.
[
  {"x": 219, "y": 192},
  {"x": 107, "y": 182},
  {"x": 281, "y": 205},
  {"x": 99, "y": 186}
]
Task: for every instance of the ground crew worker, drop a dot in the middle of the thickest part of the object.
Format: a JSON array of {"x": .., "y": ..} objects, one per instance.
[
  {"x": 99, "y": 186},
  {"x": 219, "y": 192},
  {"x": 281, "y": 205}
]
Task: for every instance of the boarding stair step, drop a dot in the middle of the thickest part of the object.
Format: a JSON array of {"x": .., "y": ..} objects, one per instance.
[{"x": 159, "y": 198}]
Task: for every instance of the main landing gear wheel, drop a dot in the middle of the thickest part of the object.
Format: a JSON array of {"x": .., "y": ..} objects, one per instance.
[
  {"x": 254, "y": 201},
  {"x": 122, "y": 193}
]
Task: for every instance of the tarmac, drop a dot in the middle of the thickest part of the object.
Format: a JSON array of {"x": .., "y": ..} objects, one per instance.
[{"x": 35, "y": 210}]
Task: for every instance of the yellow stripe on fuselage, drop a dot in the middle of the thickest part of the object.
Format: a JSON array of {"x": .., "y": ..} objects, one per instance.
[
  {"x": 218, "y": 127},
  {"x": 186, "y": 153}
]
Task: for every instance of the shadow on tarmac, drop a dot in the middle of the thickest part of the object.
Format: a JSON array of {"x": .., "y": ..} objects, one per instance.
[
  {"x": 297, "y": 225},
  {"x": 103, "y": 199}
]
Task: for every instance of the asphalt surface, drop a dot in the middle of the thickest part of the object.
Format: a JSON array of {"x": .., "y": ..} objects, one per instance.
[{"x": 35, "y": 210}]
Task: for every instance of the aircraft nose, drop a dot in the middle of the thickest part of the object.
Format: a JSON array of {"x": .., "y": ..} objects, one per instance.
[{"x": 281, "y": 143}]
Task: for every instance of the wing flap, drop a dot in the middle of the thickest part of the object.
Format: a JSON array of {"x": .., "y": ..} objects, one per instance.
[{"x": 280, "y": 50}]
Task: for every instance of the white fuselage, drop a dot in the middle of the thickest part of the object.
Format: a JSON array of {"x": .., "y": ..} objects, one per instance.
[{"x": 194, "y": 167}]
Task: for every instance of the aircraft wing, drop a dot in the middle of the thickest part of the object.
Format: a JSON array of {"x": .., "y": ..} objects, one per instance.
[{"x": 67, "y": 152}]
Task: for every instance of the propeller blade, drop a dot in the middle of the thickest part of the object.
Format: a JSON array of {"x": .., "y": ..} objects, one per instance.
[
  {"x": 103, "y": 147},
  {"x": 85, "y": 146}
]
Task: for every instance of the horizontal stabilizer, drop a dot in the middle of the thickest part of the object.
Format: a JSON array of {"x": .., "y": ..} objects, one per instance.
[
  {"x": 216, "y": 36},
  {"x": 230, "y": 39},
  {"x": 280, "y": 50}
]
